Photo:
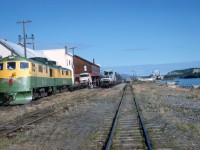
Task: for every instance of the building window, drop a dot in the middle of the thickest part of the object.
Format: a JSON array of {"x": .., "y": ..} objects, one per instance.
[
  {"x": 69, "y": 62},
  {"x": 66, "y": 72},
  {"x": 85, "y": 68}
]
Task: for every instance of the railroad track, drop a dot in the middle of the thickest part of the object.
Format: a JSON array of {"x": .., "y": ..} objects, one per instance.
[
  {"x": 127, "y": 131},
  {"x": 22, "y": 122}
]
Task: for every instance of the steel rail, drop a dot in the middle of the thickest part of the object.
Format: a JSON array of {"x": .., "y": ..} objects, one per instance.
[
  {"x": 21, "y": 117},
  {"x": 147, "y": 140},
  {"x": 114, "y": 124},
  {"x": 15, "y": 128}
]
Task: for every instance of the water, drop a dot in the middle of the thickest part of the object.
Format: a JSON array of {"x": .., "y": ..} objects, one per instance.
[{"x": 183, "y": 82}]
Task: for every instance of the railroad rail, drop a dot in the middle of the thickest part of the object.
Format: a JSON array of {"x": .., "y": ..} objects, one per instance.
[
  {"x": 128, "y": 130},
  {"x": 15, "y": 125}
]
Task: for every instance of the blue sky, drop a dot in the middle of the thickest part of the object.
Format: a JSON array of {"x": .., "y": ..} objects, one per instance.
[{"x": 114, "y": 32}]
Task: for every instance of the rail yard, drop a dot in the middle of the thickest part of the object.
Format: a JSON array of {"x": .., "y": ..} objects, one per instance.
[
  {"x": 82, "y": 119},
  {"x": 100, "y": 75}
]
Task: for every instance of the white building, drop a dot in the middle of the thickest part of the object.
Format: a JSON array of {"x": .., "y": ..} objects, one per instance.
[
  {"x": 61, "y": 56},
  {"x": 4, "y": 51}
]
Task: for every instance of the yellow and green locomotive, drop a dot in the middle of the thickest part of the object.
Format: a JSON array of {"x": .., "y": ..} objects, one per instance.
[{"x": 22, "y": 80}]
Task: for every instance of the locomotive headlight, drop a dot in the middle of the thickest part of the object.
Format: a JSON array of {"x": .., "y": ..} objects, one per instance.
[{"x": 11, "y": 57}]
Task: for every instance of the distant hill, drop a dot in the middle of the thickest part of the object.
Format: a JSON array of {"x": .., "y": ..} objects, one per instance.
[
  {"x": 185, "y": 73},
  {"x": 124, "y": 76},
  {"x": 145, "y": 70}
]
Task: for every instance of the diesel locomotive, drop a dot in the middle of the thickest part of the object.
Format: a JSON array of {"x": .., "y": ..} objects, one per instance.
[
  {"x": 110, "y": 78},
  {"x": 22, "y": 80}
]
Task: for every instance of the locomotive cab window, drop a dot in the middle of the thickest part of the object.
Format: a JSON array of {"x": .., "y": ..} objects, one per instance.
[
  {"x": 1, "y": 66},
  {"x": 33, "y": 67},
  {"x": 24, "y": 65},
  {"x": 11, "y": 65},
  {"x": 40, "y": 69},
  {"x": 51, "y": 73}
]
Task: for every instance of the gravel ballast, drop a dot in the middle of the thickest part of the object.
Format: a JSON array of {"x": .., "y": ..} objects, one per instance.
[{"x": 171, "y": 115}]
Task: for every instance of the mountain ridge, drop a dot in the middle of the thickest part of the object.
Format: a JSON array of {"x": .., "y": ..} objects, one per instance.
[{"x": 184, "y": 73}]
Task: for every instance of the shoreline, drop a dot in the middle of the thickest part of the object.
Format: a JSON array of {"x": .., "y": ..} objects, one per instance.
[{"x": 187, "y": 83}]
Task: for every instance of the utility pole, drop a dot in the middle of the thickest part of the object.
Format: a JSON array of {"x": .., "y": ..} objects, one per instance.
[
  {"x": 72, "y": 48},
  {"x": 24, "y": 32},
  {"x": 133, "y": 73},
  {"x": 32, "y": 38}
]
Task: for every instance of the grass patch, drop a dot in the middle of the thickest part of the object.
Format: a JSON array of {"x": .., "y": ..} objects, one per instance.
[
  {"x": 186, "y": 127},
  {"x": 194, "y": 96},
  {"x": 4, "y": 142}
]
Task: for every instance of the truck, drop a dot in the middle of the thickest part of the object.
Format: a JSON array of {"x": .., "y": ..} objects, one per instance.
[{"x": 86, "y": 79}]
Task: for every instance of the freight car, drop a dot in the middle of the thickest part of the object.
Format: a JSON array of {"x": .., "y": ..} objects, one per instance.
[
  {"x": 110, "y": 78},
  {"x": 22, "y": 80}
]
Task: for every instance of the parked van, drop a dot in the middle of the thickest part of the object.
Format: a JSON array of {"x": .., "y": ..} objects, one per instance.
[{"x": 85, "y": 78}]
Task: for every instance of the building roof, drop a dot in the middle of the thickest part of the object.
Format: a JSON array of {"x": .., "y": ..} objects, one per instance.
[
  {"x": 86, "y": 61},
  {"x": 19, "y": 50}
]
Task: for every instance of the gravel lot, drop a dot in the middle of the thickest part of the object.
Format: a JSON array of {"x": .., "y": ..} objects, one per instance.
[
  {"x": 175, "y": 112},
  {"x": 172, "y": 117}
]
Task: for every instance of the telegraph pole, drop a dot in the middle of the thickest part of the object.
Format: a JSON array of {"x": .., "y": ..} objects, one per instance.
[
  {"x": 72, "y": 48},
  {"x": 32, "y": 38},
  {"x": 24, "y": 32},
  {"x": 133, "y": 73}
]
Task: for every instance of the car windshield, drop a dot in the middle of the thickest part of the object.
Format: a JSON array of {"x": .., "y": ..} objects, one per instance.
[
  {"x": 84, "y": 75},
  {"x": 107, "y": 73}
]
